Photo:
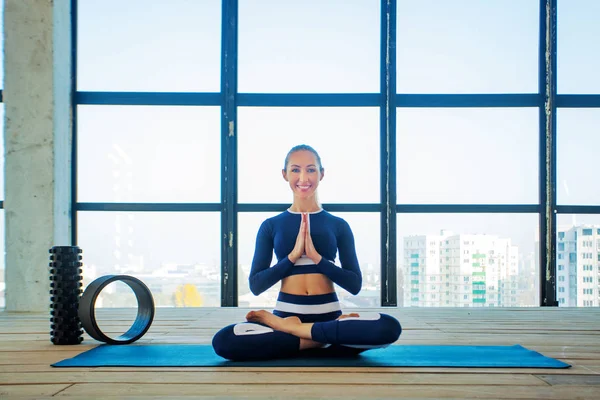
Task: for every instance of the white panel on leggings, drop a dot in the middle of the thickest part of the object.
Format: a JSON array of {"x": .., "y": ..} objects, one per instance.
[
  {"x": 248, "y": 328},
  {"x": 308, "y": 308},
  {"x": 368, "y": 316}
]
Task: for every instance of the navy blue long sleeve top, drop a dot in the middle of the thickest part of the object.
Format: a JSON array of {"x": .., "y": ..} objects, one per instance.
[{"x": 330, "y": 235}]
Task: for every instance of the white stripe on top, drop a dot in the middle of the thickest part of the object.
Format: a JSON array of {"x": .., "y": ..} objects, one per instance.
[
  {"x": 308, "y": 308},
  {"x": 304, "y": 260}
]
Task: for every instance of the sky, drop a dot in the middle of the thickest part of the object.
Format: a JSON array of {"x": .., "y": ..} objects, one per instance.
[{"x": 444, "y": 156}]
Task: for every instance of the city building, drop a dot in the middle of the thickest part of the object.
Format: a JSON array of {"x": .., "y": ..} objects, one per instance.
[
  {"x": 578, "y": 266},
  {"x": 460, "y": 270}
]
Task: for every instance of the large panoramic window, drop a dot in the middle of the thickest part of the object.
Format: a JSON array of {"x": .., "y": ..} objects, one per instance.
[{"x": 430, "y": 118}]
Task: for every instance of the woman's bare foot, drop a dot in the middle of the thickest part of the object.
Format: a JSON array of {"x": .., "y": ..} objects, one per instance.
[
  {"x": 279, "y": 324},
  {"x": 348, "y": 315}
]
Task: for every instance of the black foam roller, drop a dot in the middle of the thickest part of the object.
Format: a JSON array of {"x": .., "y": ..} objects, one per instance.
[{"x": 65, "y": 292}]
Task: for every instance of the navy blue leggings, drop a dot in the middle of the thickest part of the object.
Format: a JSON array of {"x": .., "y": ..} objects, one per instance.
[{"x": 345, "y": 337}]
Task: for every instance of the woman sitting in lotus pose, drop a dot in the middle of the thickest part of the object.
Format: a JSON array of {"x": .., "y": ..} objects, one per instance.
[{"x": 307, "y": 315}]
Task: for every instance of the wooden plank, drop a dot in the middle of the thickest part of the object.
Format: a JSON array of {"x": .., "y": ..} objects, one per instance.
[
  {"x": 25, "y": 337},
  {"x": 25, "y": 329},
  {"x": 593, "y": 368},
  {"x": 589, "y": 349},
  {"x": 310, "y": 391},
  {"x": 573, "y": 380},
  {"x": 12, "y": 391},
  {"x": 504, "y": 330},
  {"x": 248, "y": 377},
  {"x": 594, "y": 362},
  {"x": 572, "y": 355},
  {"x": 32, "y": 357},
  {"x": 24, "y": 368},
  {"x": 20, "y": 346}
]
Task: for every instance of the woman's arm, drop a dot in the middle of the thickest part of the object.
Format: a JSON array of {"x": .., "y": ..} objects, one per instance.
[
  {"x": 262, "y": 275},
  {"x": 349, "y": 276}
]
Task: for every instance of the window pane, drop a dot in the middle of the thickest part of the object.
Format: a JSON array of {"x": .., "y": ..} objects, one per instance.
[
  {"x": 149, "y": 154},
  {"x": 577, "y": 154},
  {"x": 248, "y": 224},
  {"x": 347, "y": 140},
  {"x": 2, "y": 253},
  {"x": 578, "y": 260},
  {"x": 2, "y": 46},
  {"x": 309, "y": 46},
  {"x": 578, "y": 47},
  {"x": 177, "y": 255},
  {"x": 468, "y": 260},
  {"x": 149, "y": 45},
  {"x": 2, "y": 263},
  {"x": 366, "y": 230},
  {"x": 2, "y": 151},
  {"x": 472, "y": 156},
  {"x": 467, "y": 46}
]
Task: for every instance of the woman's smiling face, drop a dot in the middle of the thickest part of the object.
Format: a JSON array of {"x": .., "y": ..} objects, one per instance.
[{"x": 303, "y": 173}]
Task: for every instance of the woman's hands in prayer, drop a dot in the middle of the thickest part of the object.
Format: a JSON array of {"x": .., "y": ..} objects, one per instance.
[
  {"x": 304, "y": 244},
  {"x": 309, "y": 247}
]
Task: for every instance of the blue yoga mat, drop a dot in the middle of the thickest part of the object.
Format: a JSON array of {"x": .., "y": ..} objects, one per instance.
[{"x": 191, "y": 355}]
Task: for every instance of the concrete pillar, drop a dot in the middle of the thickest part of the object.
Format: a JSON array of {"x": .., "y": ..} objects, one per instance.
[{"x": 37, "y": 143}]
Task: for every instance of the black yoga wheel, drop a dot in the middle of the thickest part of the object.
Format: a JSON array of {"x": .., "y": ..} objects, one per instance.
[{"x": 143, "y": 320}]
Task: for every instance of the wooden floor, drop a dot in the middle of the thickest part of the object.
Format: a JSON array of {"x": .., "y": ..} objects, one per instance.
[{"x": 571, "y": 335}]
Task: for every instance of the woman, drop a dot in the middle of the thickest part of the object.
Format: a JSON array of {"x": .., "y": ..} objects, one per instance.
[{"x": 307, "y": 315}]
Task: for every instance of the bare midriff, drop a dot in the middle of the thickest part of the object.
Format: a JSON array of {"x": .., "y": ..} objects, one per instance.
[{"x": 307, "y": 284}]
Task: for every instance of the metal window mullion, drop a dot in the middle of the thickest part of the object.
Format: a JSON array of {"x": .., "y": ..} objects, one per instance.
[
  {"x": 74, "y": 19},
  {"x": 547, "y": 184},
  {"x": 149, "y": 207},
  {"x": 387, "y": 117},
  {"x": 149, "y": 98},
  {"x": 578, "y": 209},
  {"x": 467, "y": 100},
  {"x": 308, "y": 99},
  {"x": 577, "y": 100},
  {"x": 229, "y": 52},
  {"x": 333, "y": 207},
  {"x": 468, "y": 208}
]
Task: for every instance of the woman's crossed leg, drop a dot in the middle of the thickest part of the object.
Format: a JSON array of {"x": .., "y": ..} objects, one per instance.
[{"x": 267, "y": 336}]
